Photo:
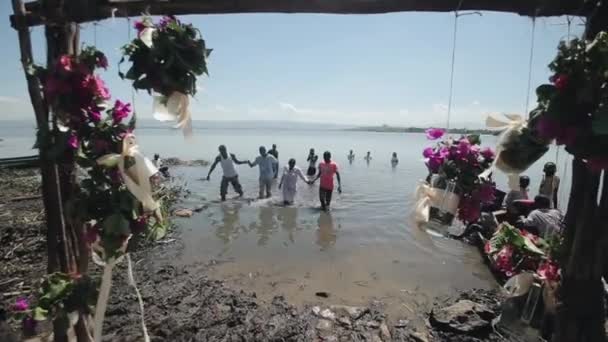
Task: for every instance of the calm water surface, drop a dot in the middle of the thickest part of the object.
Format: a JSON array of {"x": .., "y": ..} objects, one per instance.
[{"x": 366, "y": 248}]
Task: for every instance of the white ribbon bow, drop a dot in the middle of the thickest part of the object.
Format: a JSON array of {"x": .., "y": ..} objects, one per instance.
[
  {"x": 177, "y": 108},
  {"x": 428, "y": 196},
  {"x": 137, "y": 177},
  {"x": 508, "y": 124}
]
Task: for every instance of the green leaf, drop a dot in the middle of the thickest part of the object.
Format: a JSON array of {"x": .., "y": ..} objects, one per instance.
[
  {"x": 133, "y": 121},
  {"x": 474, "y": 139},
  {"x": 40, "y": 314},
  {"x": 599, "y": 124},
  {"x": 545, "y": 91},
  {"x": 116, "y": 225}
]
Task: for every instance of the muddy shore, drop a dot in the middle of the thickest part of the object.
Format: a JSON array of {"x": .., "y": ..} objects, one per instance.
[{"x": 184, "y": 304}]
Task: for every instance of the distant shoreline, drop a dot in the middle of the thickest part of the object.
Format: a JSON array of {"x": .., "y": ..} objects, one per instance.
[{"x": 391, "y": 129}]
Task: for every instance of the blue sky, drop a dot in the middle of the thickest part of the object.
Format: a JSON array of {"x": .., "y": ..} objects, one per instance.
[{"x": 377, "y": 69}]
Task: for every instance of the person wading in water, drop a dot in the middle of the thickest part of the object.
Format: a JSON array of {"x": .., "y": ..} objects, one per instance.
[
  {"x": 327, "y": 170},
  {"x": 229, "y": 172}
]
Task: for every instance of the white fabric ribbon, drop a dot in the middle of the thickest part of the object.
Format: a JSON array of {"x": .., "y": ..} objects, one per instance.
[
  {"x": 508, "y": 124},
  {"x": 139, "y": 299},
  {"x": 427, "y": 197},
  {"x": 176, "y": 107},
  {"x": 137, "y": 177},
  {"x": 99, "y": 257}
]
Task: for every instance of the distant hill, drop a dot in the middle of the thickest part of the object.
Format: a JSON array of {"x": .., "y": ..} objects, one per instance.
[{"x": 394, "y": 129}]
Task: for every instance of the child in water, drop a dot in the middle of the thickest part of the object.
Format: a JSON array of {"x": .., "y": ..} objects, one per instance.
[
  {"x": 394, "y": 159},
  {"x": 289, "y": 181},
  {"x": 549, "y": 186},
  {"x": 351, "y": 156},
  {"x": 368, "y": 156}
]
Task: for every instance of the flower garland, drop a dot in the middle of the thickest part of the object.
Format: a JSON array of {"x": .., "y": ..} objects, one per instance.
[
  {"x": 512, "y": 251},
  {"x": 166, "y": 58},
  {"x": 573, "y": 109},
  {"x": 462, "y": 161},
  {"x": 113, "y": 199}
]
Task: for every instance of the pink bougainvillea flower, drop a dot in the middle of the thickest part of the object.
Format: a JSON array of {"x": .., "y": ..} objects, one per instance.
[
  {"x": 94, "y": 86},
  {"x": 139, "y": 225},
  {"x": 139, "y": 26},
  {"x": 121, "y": 111},
  {"x": 561, "y": 81},
  {"x": 548, "y": 270},
  {"x": 434, "y": 163},
  {"x": 29, "y": 324},
  {"x": 428, "y": 152},
  {"x": 95, "y": 116},
  {"x": 464, "y": 146},
  {"x": 73, "y": 141},
  {"x": 92, "y": 234},
  {"x": 469, "y": 210},
  {"x": 548, "y": 128},
  {"x": 434, "y": 133},
  {"x": 21, "y": 305},
  {"x": 166, "y": 20},
  {"x": 65, "y": 63},
  {"x": 102, "y": 61},
  {"x": 597, "y": 164},
  {"x": 487, "y": 153},
  {"x": 486, "y": 193}
]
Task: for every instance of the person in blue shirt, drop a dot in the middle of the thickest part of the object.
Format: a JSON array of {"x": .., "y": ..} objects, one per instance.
[{"x": 267, "y": 163}]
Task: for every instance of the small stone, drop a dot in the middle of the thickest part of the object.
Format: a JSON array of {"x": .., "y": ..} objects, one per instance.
[
  {"x": 464, "y": 316},
  {"x": 224, "y": 308},
  {"x": 373, "y": 324},
  {"x": 354, "y": 312},
  {"x": 419, "y": 337},
  {"x": 324, "y": 325},
  {"x": 316, "y": 310},
  {"x": 402, "y": 323},
  {"x": 200, "y": 208},
  {"x": 344, "y": 321},
  {"x": 327, "y": 314},
  {"x": 183, "y": 212},
  {"x": 384, "y": 332}
]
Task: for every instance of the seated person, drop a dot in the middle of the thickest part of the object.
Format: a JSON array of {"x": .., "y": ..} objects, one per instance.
[
  {"x": 519, "y": 194},
  {"x": 544, "y": 220}
]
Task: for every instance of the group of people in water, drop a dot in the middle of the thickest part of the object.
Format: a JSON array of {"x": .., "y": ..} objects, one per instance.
[{"x": 268, "y": 165}]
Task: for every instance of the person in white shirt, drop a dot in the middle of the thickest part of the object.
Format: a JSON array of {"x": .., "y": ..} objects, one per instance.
[
  {"x": 544, "y": 220},
  {"x": 289, "y": 181},
  {"x": 266, "y": 163},
  {"x": 230, "y": 176}
]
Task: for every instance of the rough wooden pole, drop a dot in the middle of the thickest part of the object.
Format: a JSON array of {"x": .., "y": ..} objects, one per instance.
[
  {"x": 581, "y": 312},
  {"x": 51, "y": 193}
]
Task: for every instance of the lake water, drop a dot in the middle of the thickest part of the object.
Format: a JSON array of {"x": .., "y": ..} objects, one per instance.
[{"x": 366, "y": 248}]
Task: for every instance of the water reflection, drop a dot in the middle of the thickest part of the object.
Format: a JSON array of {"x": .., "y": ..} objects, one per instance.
[
  {"x": 288, "y": 217},
  {"x": 326, "y": 234},
  {"x": 265, "y": 226},
  {"x": 229, "y": 227}
]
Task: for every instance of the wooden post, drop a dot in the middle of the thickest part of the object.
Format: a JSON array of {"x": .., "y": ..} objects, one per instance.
[{"x": 581, "y": 312}]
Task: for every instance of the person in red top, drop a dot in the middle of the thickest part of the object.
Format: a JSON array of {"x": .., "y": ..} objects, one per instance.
[{"x": 327, "y": 170}]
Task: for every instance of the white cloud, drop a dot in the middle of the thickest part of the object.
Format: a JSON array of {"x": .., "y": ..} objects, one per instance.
[{"x": 476, "y": 103}]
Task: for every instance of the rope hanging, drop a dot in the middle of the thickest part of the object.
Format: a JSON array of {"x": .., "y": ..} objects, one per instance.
[
  {"x": 447, "y": 125},
  {"x": 129, "y": 39},
  {"x": 530, "y": 66},
  {"x": 451, "y": 91}
]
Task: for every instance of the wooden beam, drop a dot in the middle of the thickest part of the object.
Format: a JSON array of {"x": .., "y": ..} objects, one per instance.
[{"x": 93, "y": 10}]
